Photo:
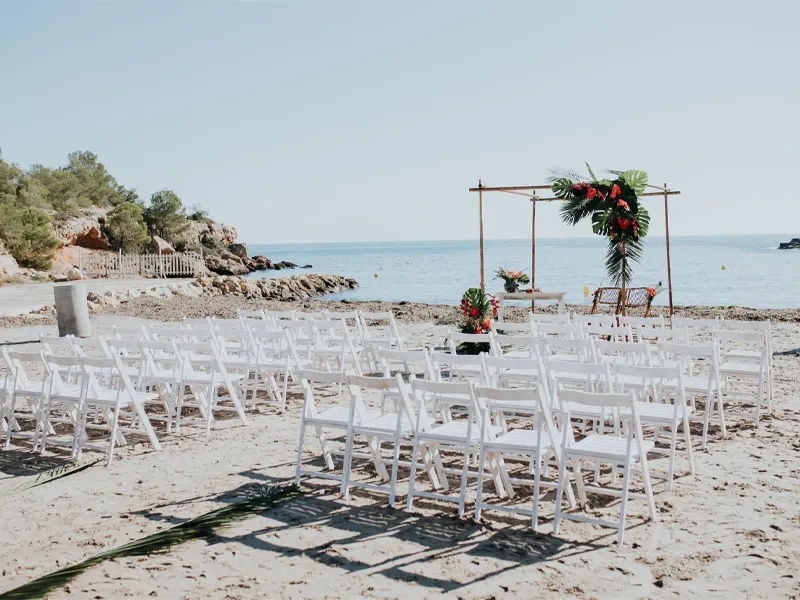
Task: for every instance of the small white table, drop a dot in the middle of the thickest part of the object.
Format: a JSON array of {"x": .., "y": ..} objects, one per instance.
[{"x": 529, "y": 297}]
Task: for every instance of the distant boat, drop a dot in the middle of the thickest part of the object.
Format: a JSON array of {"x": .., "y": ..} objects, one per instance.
[{"x": 794, "y": 244}]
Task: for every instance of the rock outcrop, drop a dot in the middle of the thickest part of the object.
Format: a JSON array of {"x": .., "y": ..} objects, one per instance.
[
  {"x": 161, "y": 246},
  {"x": 8, "y": 264},
  {"x": 86, "y": 230},
  {"x": 226, "y": 263},
  {"x": 209, "y": 233},
  {"x": 793, "y": 244}
]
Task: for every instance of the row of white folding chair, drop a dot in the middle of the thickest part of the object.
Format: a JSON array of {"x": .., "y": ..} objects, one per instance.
[
  {"x": 99, "y": 384},
  {"x": 412, "y": 425}
]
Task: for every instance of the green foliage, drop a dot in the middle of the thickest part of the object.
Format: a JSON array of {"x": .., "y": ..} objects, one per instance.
[
  {"x": 166, "y": 216},
  {"x": 28, "y": 235},
  {"x": 615, "y": 212},
  {"x": 196, "y": 213},
  {"x": 126, "y": 227}
]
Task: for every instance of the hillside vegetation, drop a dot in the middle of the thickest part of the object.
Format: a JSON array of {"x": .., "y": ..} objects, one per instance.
[{"x": 32, "y": 200}]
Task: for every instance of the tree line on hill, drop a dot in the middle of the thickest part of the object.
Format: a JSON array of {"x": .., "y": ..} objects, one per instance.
[{"x": 31, "y": 199}]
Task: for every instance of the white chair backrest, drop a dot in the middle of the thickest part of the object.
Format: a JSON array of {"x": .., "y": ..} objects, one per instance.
[
  {"x": 634, "y": 322},
  {"x": 284, "y": 315},
  {"x": 616, "y": 334},
  {"x": 130, "y": 332},
  {"x": 570, "y": 331},
  {"x": 635, "y": 353},
  {"x": 413, "y": 361},
  {"x": 58, "y": 346},
  {"x": 16, "y": 361},
  {"x": 602, "y": 320},
  {"x": 250, "y": 314},
  {"x": 506, "y": 328},
  {"x": 562, "y": 319},
  {"x": 582, "y": 349}
]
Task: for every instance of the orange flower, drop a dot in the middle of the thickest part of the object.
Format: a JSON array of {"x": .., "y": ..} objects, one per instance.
[
  {"x": 487, "y": 324},
  {"x": 622, "y": 204},
  {"x": 615, "y": 191},
  {"x": 652, "y": 292}
]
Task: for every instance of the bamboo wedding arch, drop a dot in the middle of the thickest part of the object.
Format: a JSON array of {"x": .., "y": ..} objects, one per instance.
[{"x": 529, "y": 191}]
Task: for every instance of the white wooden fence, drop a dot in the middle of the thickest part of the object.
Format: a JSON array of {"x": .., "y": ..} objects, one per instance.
[{"x": 123, "y": 266}]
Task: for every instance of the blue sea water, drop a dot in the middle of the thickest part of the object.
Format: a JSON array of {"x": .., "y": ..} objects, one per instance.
[{"x": 756, "y": 273}]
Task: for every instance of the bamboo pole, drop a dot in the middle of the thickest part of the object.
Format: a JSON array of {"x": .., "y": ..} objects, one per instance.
[
  {"x": 480, "y": 215},
  {"x": 669, "y": 264},
  {"x": 533, "y": 253}
]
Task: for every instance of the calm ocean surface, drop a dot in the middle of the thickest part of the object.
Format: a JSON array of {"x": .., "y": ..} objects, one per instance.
[{"x": 757, "y": 274}]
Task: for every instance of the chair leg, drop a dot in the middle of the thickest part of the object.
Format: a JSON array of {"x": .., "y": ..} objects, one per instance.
[
  {"x": 687, "y": 433},
  {"x": 300, "y": 450},
  {"x": 673, "y": 441},
  {"x": 114, "y": 426},
  {"x": 348, "y": 456},
  {"x": 562, "y": 475},
  {"x": 413, "y": 474},
  {"x": 479, "y": 485},
  {"x": 537, "y": 479},
  {"x": 462, "y": 497},
  {"x": 623, "y": 508},
  {"x": 395, "y": 466}
]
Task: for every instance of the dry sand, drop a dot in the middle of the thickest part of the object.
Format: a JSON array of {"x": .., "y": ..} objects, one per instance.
[{"x": 730, "y": 531}]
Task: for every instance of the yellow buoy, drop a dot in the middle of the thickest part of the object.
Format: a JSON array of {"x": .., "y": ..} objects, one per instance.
[
  {"x": 376, "y": 275},
  {"x": 381, "y": 268},
  {"x": 586, "y": 291},
  {"x": 724, "y": 267}
]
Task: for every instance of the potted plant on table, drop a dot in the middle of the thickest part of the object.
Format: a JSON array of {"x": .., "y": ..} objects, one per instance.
[{"x": 512, "y": 279}]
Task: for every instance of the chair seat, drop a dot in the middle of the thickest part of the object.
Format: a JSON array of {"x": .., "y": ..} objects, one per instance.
[
  {"x": 339, "y": 416},
  {"x": 385, "y": 424},
  {"x": 527, "y": 407},
  {"x": 456, "y": 431},
  {"x": 205, "y": 378},
  {"x": 607, "y": 447},
  {"x": 69, "y": 393},
  {"x": 744, "y": 369},
  {"x": 109, "y": 398},
  {"x": 523, "y": 440},
  {"x": 650, "y": 412}
]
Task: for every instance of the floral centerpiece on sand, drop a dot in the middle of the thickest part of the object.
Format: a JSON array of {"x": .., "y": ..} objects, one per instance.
[
  {"x": 478, "y": 310},
  {"x": 512, "y": 279},
  {"x": 614, "y": 208}
]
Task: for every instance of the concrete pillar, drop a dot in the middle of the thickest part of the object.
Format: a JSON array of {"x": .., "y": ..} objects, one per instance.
[{"x": 72, "y": 311}]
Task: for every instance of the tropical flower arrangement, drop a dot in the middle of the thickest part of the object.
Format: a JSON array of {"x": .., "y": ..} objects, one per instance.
[
  {"x": 512, "y": 279},
  {"x": 478, "y": 310},
  {"x": 614, "y": 208}
]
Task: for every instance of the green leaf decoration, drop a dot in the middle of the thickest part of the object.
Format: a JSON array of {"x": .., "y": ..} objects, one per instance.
[{"x": 591, "y": 173}]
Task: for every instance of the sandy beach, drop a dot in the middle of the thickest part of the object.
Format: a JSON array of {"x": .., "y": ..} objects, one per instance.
[{"x": 730, "y": 531}]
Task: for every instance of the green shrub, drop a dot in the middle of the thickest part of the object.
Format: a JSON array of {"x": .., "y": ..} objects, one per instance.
[
  {"x": 29, "y": 237},
  {"x": 126, "y": 228}
]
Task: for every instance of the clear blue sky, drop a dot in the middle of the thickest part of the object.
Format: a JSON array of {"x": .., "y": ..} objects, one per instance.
[{"x": 303, "y": 121}]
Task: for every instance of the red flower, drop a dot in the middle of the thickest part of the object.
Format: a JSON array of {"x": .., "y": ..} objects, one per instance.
[
  {"x": 478, "y": 329},
  {"x": 622, "y": 204},
  {"x": 652, "y": 292},
  {"x": 615, "y": 191},
  {"x": 635, "y": 227},
  {"x": 623, "y": 223},
  {"x": 590, "y": 193},
  {"x": 577, "y": 188},
  {"x": 474, "y": 311},
  {"x": 487, "y": 324}
]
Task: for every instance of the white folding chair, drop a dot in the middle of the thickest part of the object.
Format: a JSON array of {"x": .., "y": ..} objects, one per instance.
[
  {"x": 393, "y": 427},
  {"x": 653, "y": 390},
  {"x": 461, "y": 436},
  {"x": 130, "y": 332},
  {"x": 161, "y": 365},
  {"x": 752, "y": 355},
  {"x": 379, "y": 330},
  {"x": 696, "y": 326},
  {"x": 458, "y": 366},
  {"x": 325, "y": 420},
  {"x": 276, "y": 363},
  {"x": 202, "y": 371},
  {"x": 708, "y": 385},
  {"x": 623, "y": 453},
  {"x": 62, "y": 398},
  {"x": 109, "y": 390},
  {"x": 19, "y": 385},
  {"x": 614, "y": 334},
  {"x": 535, "y": 446},
  {"x": 333, "y": 342},
  {"x": 752, "y": 369}
]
